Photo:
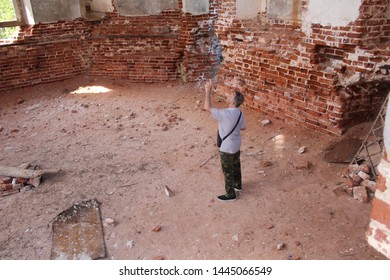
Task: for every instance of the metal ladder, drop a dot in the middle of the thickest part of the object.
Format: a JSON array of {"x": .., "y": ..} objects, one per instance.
[{"x": 371, "y": 150}]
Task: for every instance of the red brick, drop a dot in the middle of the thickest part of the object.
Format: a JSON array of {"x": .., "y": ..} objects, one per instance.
[{"x": 381, "y": 212}]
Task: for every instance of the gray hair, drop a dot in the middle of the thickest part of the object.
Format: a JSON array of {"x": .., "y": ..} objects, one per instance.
[{"x": 238, "y": 98}]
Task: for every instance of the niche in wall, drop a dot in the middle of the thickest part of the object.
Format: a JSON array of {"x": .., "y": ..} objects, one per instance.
[
  {"x": 54, "y": 10},
  {"x": 285, "y": 10},
  {"x": 197, "y": 7},
  {"x": 144, "y": 7}
]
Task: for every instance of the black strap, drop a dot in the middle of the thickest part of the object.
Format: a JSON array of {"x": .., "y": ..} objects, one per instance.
[{"x": 233, "y": 127}]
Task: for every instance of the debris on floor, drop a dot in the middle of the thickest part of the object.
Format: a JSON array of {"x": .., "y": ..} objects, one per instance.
[
  {"x": 156, "y": 228},
  {"x": 168, "y": 191},
  {"x": 281, "y": 246},
  {"x": 301, "y": 165},
  {"x": 301, "y": 150},
  {"x": 269, "y": 226},
  {"x": 265, "y": 122},
  {"x": 266, "y": 163},
  {"x": 78, "y": 233},
  {"x": 21, "y": 178},
  {"x": 359, "y": 182},
  {"x": 109, "y": 222}
]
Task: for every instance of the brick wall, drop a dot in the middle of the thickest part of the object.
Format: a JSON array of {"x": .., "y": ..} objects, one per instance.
[
  {"x": 141, "y": 49},
  {"x": 200, "y": 45},
  {"x": 325, "y": 81},
  {"x": 378, "y": 233},
  {"x": 45, "y": 53}
]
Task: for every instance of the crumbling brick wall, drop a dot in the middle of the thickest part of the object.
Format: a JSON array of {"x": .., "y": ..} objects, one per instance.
[
  {"x": 142, "y": 49},
  {"x": 45, "y": 53},
  {"x": 324, "y": 81},
  {"x": 156, "y": 48},
  {"x": 200, "y": 44}
]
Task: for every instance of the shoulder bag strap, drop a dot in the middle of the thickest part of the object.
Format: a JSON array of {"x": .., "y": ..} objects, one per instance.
[{"x": 233, "y": 127}]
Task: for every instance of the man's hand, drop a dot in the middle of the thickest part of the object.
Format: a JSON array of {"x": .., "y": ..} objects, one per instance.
[
  {"x": 207, "y": 103},
  {"x": 208, "y": 85}
]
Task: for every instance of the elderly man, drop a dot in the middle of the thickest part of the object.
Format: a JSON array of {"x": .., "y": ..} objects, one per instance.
[{"x": 230, "y": 123}]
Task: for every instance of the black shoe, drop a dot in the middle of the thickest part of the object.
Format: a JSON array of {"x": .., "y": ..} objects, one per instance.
[
  {"x": 238, "y": 189},
  {"x": 226, "y": 198}
]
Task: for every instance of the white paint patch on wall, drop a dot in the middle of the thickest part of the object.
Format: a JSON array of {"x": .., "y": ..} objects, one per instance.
[
  {"x": 284, "y": 9},
  {"x": 101, "y": 5},
  {"x": 386, "y": 132},
  {"x": 247, "y": 9},
  {"x": 388, "y": 11},
  {"x": 383, "y": 247},
  {"x": 54, "y": 10},
  {"x": 144, "y": 7},
  {"x": 28, "y": 12},
  {"x": 384, "y": 169},
  {"x": 333, "y": 13},
  {"x": 196, "y": 7}
]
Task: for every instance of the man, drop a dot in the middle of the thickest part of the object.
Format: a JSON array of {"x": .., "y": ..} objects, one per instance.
[{"x": 230, "y": 120}]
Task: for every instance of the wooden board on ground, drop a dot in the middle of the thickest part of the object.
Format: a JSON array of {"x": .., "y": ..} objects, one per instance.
[{"x": 78, "y": 233}]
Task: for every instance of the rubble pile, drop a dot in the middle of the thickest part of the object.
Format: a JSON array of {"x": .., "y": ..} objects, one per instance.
[
  {"x": 11, "y": 185},
  {"x": 171, "y": 120},
  {"x": 359, "y": 182}
]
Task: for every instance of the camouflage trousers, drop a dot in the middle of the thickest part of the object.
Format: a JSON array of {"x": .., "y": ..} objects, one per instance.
[{"x": 231, "y": 167}]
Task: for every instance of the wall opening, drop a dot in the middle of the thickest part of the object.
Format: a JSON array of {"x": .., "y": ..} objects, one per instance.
[{"x": 8, "y": 19}]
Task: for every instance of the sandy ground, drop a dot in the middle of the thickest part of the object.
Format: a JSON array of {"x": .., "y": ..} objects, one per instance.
[{"x": 125, "y": 143}]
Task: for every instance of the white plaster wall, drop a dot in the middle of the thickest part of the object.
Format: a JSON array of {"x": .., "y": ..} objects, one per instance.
[
  {"x": 54, "y": 10},
  {"x": 196, "y": 7},
  {"x": 101, "y": 5},
  {"x": 333, "y": 13},
  {"x": 384, "y": 169},
  {"x": 383, "y": 247},
  {"x": 28, "y": 12},
  {"x": 388, "y": 11},
  {"x": 283, "y": 9},
  {"x": 247, "y": 9},
  {"x": 386, "y": 132},
  {"x": 144, "y": 7}
]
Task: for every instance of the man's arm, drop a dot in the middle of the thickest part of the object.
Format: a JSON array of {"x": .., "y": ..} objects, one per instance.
[{"x": 207, "y": 102}]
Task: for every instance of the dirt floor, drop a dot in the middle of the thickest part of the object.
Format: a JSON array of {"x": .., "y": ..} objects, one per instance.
[{"x": 122, "y": 143}]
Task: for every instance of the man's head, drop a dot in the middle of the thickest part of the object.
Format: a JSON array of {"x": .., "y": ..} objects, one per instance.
[{"x": 238, "y": 99}]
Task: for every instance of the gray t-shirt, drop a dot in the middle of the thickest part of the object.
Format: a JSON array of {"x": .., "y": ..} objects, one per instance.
[{"x": 227, "y": 119}]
